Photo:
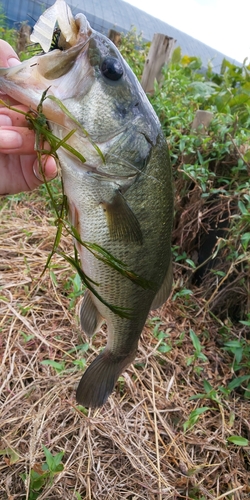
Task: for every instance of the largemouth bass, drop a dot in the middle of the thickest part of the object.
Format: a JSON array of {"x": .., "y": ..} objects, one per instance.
[{"x": 121, "y": 199}]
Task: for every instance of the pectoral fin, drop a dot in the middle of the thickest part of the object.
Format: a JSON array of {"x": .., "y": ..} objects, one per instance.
[
  {"x": 164, "y": 292},
  {"x": 75, "y": 222},
  {"x": 122, "y": 222},
  {"x": 90, "y": 318}
]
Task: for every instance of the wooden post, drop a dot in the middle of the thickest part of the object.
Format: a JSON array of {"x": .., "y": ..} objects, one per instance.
[
  {"x": 160, "y": 52},
  {"x": 115, "y": 37},
  {"x": 202, "y": 121},
  {"x": 23, "y": 38},
  {"x": 200, "y": 126}
]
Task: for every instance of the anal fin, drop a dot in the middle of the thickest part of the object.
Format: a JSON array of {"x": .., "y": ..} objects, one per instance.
[{"x": 90, "y": 318}]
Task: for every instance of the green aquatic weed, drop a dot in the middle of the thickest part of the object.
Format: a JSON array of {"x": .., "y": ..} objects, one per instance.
[{"x": 37, "y": 121}]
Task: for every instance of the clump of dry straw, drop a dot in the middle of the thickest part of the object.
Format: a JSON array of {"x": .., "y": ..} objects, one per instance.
[{"x": 135, "y": 446}]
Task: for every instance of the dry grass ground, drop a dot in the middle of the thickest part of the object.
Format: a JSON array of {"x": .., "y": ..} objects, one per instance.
[{"x": 135, "y": 446}]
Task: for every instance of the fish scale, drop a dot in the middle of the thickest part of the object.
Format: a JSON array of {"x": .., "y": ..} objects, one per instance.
[{"x": 121, "y": 200}]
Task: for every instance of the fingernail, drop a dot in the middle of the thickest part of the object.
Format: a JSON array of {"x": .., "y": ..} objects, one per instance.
[
  {"x": 13, "y": 61},
  {"x": 37, "y": 171},
  {"x": 53, "y": 174},
  {"x": 5, "y": 121},
  {"x": 50, "y": 173},
  {"x": 9, "y": 139},
  {"x": 50, "y": 168}
]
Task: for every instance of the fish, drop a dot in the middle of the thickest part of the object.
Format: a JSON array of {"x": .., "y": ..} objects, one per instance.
[{"x": 121, "y": 199}]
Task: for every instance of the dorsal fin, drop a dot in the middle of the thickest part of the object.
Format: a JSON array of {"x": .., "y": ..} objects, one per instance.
[{"x": 164, "y": 292}]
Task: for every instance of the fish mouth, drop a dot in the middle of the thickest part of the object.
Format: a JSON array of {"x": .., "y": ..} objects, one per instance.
[{"x": 71, "y": 29}]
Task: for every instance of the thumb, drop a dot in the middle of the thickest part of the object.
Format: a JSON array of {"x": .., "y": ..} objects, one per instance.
[
  {"x": 49, "y": 169},
  {"x": 8, "y": 57}
]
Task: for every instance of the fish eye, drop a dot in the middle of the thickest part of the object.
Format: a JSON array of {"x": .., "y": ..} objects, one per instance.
[{"x": 111, "y": 68}]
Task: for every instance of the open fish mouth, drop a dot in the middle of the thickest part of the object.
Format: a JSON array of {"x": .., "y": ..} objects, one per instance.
[
  {"x": 71, "y": 28},
  {"x": 54, "y": 69}
]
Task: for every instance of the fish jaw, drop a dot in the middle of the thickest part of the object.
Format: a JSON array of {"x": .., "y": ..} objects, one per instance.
[
  {"x": 27, "y": 82},
  {"x": 53, "y": 71}
]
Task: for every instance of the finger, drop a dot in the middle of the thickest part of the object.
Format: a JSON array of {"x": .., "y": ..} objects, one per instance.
[
  {"x": 16, "y": 140},
  {"x": 19, "y": 175},
  {"x": 19, "y": 140},
  {"x": 8, "y": 57},
  {"x": 9, "y": 117},
  {"x": 8, "y": 100},
  {"x": 48, "y": 166}
]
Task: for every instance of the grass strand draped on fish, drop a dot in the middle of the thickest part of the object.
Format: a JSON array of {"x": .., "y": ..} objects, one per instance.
[
  {"x": 37, "y": 121},
  {"x": 120, "y": 200}
]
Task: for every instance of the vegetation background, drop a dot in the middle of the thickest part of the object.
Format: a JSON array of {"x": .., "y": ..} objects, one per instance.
[{"x": 177, "y": 425}]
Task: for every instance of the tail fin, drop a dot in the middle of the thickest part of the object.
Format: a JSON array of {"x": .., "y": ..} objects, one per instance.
[{"x": 98, "y": 381}]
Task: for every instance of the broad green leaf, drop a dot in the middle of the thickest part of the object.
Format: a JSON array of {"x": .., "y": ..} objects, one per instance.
[
  {"x": 164, "y": 348},
  {"x": 243, "y": 208},
  {"x": 233, "y": 344},
  {"x": 182, "y": 144},
  {"x": 78, "y": 496},
  {"x": 203, "y": 89},
  {"x": 176, "y": 56},
  {"x": 200, "y": 395},
  {"x": 199, "y": 411},
  {"x": 247, "y": 323},
  {"x": 58, "y": 458},
  {"x": 194, "y": 416},
  {"x": 238, "y": 440},
  {"x": 49, "y": 457},
  {"x": 247, "y": 156},
  {"x": 191, "y": 263},
  {"x": 245, "y": 239},
  {"x": 55, "y": 364},
  {"x": 207, "y": 386},
  {"x": 195, "y": 340},
  {"x": 237, "y": 382}
]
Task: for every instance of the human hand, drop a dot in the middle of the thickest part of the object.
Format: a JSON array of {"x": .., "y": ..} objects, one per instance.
[{"x": 19, "y": 168}]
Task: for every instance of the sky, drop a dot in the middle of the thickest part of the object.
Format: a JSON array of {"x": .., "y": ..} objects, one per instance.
[{"x": 221, "y": 24}]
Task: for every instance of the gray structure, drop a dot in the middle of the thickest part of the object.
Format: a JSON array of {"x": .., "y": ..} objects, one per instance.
[{"x": 121, "y": 16}]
